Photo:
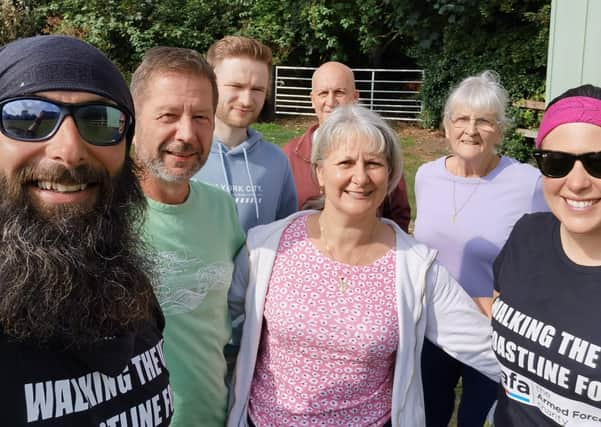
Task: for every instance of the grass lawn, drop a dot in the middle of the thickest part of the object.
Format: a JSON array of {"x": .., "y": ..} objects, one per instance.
[{"x": 277, "y": 133}]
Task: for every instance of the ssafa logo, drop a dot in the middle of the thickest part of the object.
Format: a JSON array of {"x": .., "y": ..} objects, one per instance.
[{"x": 516, "y": 388}]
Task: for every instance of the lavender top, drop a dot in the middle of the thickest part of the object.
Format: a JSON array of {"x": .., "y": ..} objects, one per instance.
[{"x": 468, "y": 220}]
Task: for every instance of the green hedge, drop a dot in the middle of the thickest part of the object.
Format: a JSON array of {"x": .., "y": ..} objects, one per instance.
[{"x": 450, "y": 39}]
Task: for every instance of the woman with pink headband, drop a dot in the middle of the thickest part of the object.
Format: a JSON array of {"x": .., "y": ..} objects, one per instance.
[{"x": 546, "y": 318}]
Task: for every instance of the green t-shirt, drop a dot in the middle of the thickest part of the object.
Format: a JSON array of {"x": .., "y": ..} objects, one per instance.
[{"x": 195, "y": 244}]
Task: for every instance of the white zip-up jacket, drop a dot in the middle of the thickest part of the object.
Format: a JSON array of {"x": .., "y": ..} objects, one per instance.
[{"x": 429, "y": 303}]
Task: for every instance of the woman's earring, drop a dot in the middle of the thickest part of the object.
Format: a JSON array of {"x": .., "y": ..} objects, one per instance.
[{"x": 322, "y": 190}]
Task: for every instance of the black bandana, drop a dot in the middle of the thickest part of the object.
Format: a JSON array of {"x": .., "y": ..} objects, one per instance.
[{"x": 45, "y": 63}]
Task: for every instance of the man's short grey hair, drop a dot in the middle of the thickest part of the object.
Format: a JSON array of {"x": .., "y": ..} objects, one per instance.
[
  {"x": 355, "y": 120},
  {"x": 480, "y": 93}
]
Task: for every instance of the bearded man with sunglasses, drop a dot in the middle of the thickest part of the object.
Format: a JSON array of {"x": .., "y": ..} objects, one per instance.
[{"x": 80, "y": 328}]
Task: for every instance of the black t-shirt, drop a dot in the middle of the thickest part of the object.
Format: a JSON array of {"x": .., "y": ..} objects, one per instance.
[
  {"x": 121, "y": 382},
  {"x": 546, "y": 330}
]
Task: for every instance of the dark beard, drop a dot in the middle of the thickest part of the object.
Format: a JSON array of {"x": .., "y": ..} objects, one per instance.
[{"x": 73, "y": 275}]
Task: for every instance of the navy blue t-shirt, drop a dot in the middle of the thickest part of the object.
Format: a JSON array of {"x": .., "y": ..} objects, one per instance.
[
  {"x": 546, "y": 330},
  {"x": 120, "y": 382}
]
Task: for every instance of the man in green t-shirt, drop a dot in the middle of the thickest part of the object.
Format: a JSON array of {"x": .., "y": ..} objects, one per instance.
[{"x": 192, "y": 227}]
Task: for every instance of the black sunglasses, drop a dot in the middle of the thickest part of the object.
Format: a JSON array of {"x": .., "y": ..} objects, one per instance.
[
  {"x": 557, "y": 164},
  {"x": 35, "y": 119}
]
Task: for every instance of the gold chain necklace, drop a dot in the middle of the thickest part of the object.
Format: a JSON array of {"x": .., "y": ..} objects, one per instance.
[
  {"x": 457, "y": 211},
  {"x": 343, "y": 283}
]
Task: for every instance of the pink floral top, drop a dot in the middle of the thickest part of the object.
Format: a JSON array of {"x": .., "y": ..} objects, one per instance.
[{"x": 329, "y": 337}]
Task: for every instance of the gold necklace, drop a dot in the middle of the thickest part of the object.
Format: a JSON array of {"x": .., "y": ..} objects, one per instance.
[
  {"x": 489, "y": 167},
  {"x": 342, "y": 284},
  {"x": 456, "y": 210},
  {"x": 342, "y": 281}
]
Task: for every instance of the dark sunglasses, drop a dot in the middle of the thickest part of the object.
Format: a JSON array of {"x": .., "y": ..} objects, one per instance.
[
  {"x": 557, "y": 164},
  {"x": 34, "y": 119}
]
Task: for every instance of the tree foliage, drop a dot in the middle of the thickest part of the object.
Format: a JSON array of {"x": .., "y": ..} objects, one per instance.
[
  {"x": 311, "y": 32},
  {"x": 124, "y": 29},
  {"x": 450, "y": 39},
  {"x": 15, "y": 20}
]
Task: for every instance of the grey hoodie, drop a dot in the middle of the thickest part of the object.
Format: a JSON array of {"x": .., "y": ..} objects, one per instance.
[{"x": 257, "y": 174}]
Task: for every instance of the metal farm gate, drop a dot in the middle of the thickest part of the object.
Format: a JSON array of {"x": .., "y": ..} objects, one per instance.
[{"x": 393, "y": 93}]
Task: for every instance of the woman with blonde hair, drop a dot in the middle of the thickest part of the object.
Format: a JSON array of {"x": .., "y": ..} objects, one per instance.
[{"x": 339, "y": 300}]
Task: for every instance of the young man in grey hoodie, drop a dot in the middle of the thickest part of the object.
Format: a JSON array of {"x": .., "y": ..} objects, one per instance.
[{"x": 255, "y": 172}]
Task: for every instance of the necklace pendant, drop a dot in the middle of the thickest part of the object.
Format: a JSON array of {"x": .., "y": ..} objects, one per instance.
[
  {"x": 342, "y": 284},
  {"x": 457, "y": 210}
]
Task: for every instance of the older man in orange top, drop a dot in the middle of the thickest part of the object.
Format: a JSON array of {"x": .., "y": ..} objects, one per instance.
[{"x": 333, "y": 84}]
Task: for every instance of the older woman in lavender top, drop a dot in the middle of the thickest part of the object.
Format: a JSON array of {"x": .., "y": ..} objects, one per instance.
[{"x": 467, "y": 203}]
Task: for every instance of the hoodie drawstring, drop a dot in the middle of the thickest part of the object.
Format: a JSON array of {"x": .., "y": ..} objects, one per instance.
[
  {"x": 252, "y": 185},
  {"x": 227, "y": 181}
]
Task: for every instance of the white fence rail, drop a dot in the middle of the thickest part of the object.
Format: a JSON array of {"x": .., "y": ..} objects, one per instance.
[{"x": 393, "y": 93}]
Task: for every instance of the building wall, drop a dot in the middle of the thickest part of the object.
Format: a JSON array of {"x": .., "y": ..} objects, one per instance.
[{"x": 574, "y": 45}]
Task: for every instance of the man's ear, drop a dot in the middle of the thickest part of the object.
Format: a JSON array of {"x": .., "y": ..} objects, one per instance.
[
  {"x": 311, "y": 95},
  {"x": 356, "y": 96},
  {"x": 132, "y": 148}
]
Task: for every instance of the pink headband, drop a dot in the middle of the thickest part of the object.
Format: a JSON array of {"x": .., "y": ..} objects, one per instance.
[{"x": 575, "y": 109}]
